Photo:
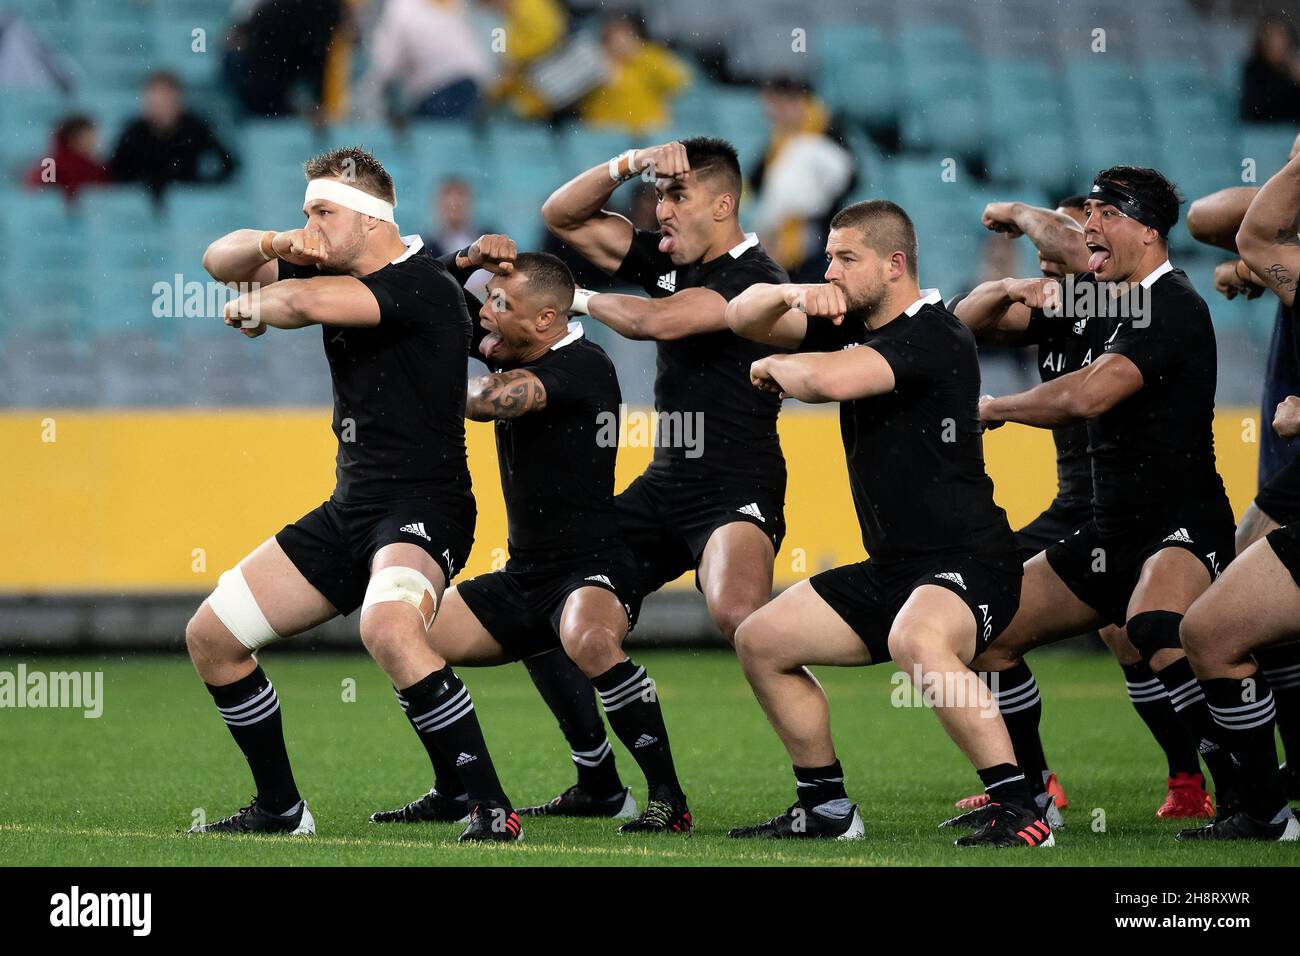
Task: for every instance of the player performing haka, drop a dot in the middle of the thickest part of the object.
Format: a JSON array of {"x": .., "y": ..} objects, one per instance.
[
  {"x": 1064, "y": 346},
  {"x": 1256, "y": 603},
  {"x": 943, "y": 577},
  {"x": 401, "y": 519},
  {"x": 1162, "y": 526},
  {"x": 713, "y": 499},
  {"x": 570, "y": 580}
]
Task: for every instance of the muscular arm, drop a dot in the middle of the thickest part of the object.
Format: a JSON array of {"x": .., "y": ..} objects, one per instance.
[
  {"x": 296, "y": 303},
  {"x": 1078, "y": 396},
  {"x": 762, "y": 314},
  {"x": 689, "y": 312},
  {"x": 1056, "y": 236},
  {"x": 992, "y": 314},
  {"x": 1267, "y": 239},
  {"x": 237, "y": 257},
  {"x": 504, "y": 395},
  {"x": 825, "y": 376},
  {"x": 575, "y": 214},
  {"x": 1215, "y": 219}
]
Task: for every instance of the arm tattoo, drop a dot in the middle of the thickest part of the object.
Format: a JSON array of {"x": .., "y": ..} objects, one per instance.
[
  {"x": 505, "y": 395},
  {"x": 1281, "y": 278}
]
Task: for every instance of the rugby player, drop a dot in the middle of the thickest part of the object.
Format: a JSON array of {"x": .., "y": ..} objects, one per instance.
[
  {"x": 570, "y": 580},
  {"x": 714, "y": 503},
  {"x": 1162, "y": 528},
  {"x": 1063, "y": 347},
  {"x": 1256, "y": 603},
  {"x": 943, "y": 577},
  {"x": 400, "y": 521}
]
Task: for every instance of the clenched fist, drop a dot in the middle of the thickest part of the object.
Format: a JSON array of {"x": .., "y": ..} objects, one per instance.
[{"x": 822, "y": 300}]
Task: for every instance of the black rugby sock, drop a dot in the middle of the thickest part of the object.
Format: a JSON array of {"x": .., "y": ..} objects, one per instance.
[
  {"x": 251, "y": 710},
  {"x": 1281, "y": 668},
  {"x": 1007, "y": 783},
  {"x": 445, "y": 778},
  {"x": 1188, "y": 699},
  {"x": 1243, "y": 710},
  {"x": 821, "y": 790},
  {"x": 632, "y": 706},
  {"x": 1016, "y": 692},
  {"x": 568, "y": 693},
  {"x": 1151, "y": 701},
  {"x": 442, "y": 713}
]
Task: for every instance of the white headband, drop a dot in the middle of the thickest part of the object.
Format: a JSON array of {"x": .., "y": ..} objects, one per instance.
[{"x": 349, "y": 197}]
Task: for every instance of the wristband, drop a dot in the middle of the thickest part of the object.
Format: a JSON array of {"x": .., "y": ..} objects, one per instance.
[
  {"x": 615, "y": 174},
  {"x": 263, "y": 243},
  {"x": 463, "y": 254},
  {"x": 1236, "y": 270},
  {"x": 580, "y": 299}
]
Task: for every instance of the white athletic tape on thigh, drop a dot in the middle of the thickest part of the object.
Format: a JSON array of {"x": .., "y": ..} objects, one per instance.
[
  {"x": 234, "y": 605},
  {"x": 402, "y": 584},
  {"x": 349, "y": 197}
]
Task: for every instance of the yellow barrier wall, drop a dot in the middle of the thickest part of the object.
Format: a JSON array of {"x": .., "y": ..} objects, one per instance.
[{"x": 144, "y": 501}]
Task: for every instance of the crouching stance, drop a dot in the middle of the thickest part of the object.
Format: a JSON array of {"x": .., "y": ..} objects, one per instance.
[
  {"x": 401, "y": 519},
  {"x": 570, "y": 580},
  {"x": 944, "y": 576}
]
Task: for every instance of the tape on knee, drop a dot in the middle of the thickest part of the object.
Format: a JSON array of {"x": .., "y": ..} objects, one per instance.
[
  {"x": 402, "y": 584},
  {"x": 1153, "y": 631},
  {"x": 234, "y": 605}
]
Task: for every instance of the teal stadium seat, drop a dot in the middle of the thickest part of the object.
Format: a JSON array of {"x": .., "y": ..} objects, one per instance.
[
  {"x": 271, "y": 165},
  {"x": 856, "y": 72},
  {"x": 41, "y": 273}
]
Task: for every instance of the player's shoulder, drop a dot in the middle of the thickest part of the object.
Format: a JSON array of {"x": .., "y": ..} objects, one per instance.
[{"x": 755, "y": 261}]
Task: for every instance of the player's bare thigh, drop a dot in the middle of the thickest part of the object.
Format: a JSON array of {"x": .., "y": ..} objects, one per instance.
[
  {"x": 1254, "y": 603},
  {"x": 799, "y": 628},
  {"x": 1049, "y": 611},
  {"x": 459, "y": 638},
  {"x": 932, "y": 623},
  {"x": 735, "y": 574},
  {"x": 287, "y": 601}
]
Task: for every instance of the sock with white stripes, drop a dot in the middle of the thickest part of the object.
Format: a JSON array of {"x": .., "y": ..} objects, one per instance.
[
  {"x": 1188, "y": 700},
  {"x": 821, "y": 790},
  {"x": 1281, "y": 668},
  {"x": 1243, "y": 710},
  {"x": 442, "y": 713},
  {"x": 567, "y": 691},
  {"x": 446, "y": 780},
  {"x": 632, "y": 706},
  {"x": 1022, "y": 708},
  {"x": 1151, "y": 701},
  {"x": 1007, "y": 783},
  {"x": 251, "y": 710}
]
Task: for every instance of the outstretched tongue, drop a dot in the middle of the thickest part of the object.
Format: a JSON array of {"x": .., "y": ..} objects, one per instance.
[
  {"x": 1097, "y": 261},
  {"x": 489, "y": 343},
  {"x": 667, "y": 244}
]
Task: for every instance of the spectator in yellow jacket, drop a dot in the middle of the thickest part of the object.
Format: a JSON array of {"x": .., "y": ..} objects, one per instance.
[{"x": 643, "y": 78}]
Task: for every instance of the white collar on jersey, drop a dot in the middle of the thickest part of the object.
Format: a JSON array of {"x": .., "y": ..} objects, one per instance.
[
  {"x": 575, "y": 333},
  {"x": 928, "y": 297},
  {"x": 751, "y": 240},
  {"x": 413, "y": 245},
  {"x": 1156, "y": 273}
]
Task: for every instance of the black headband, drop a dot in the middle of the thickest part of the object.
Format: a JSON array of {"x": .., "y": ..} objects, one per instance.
[{"x": 1130, "y": 205}]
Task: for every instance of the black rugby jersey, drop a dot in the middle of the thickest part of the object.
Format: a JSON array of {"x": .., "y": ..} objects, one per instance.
[
  {"x": 399, "y": 386},
  {"x": 708, "y": 374},
  {"x": 1064, "y": 346},
  {"x": 916, "y": 455}
]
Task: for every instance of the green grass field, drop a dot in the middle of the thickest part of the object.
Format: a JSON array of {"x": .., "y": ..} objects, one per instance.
[{"x": 118, "y": 789}]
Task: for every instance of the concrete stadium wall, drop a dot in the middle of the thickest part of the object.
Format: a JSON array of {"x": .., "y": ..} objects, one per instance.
[{"x": 117, "y": 522}]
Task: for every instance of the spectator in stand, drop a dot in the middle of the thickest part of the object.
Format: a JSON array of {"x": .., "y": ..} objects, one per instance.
[
  {"x": 534, "y": 28},
  {"x": 73, "y": 158},
  {"x": 167, "y": 143},
  {"x": 643, "y": 79},
  {"x": 1270, "y": 82},
  {"x": 454, "y": 213},
  {"x": 431, "y": 50},
  {"x": 804, "y": 176},
  {"x": 279, "y": 51}
]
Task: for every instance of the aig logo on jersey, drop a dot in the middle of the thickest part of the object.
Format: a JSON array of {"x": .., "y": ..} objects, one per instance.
[{"x": 668, "y": 281}]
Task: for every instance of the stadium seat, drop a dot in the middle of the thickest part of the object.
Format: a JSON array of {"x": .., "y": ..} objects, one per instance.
[
  {"x": 271, "y": 165},
  {"x": 856, "y": 72},
  {"x": 1268, "y": 144},
  {"x": 1105, "y": 90}
]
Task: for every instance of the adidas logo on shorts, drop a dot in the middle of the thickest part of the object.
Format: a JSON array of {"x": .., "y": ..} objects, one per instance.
[
  {"x": 954, "y": 577},
  {"x": 668, "y": 281},
  {"x": 1180, "y": 535},
  {"x": 601, "y": 578},
  {"x": 417, "y": 529},
  {"x": 465, "y": 758},
  {"x": 645, "y": 740},
  {"x": 751, "y": 509}
]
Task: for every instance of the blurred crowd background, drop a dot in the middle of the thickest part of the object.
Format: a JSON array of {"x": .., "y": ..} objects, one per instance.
[{"x": 132, "y": 132}]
